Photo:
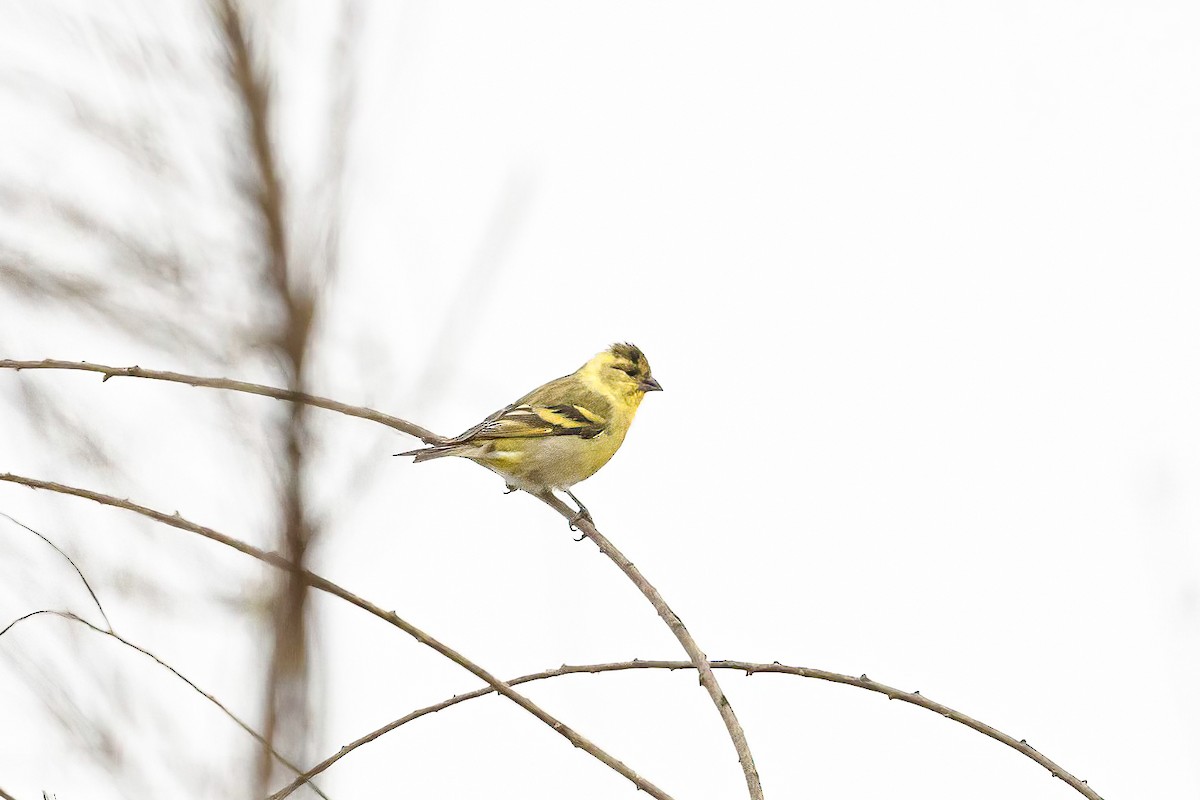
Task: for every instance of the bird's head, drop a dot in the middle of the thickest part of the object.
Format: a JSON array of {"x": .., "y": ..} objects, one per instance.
[{"x": 623, "y": 370}]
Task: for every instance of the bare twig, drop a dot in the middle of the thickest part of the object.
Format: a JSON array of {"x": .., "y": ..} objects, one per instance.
[
  {"x": 862, "y": 682},
  {"x": 317, "y": 582},
  {"x": 699, "y": 659},
  {"x": 67, "y": 615},
  {"x": 6, "y": 796},
  {"x": 70, "y": 561},
  {"x": 395, "y": 423}
]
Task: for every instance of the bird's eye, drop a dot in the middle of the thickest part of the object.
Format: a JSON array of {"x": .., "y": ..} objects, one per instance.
[{"x": 630, "y": 371}]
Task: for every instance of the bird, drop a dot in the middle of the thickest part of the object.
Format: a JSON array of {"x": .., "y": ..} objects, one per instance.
[{"x": 562, "y": 432}]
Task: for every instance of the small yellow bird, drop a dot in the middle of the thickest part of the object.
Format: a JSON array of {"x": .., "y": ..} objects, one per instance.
[{"x": 560, "y": 433}]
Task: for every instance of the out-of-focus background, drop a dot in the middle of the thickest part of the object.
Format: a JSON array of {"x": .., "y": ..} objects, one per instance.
[{"x": 920, "y": 281}]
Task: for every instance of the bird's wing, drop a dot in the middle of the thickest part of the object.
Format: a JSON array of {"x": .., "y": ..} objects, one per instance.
[
  {"x": 563, "y": 407},
  {"x": 528, "y": 422}
]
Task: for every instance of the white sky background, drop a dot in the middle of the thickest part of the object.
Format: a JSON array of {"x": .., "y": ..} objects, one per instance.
[{"x": 920, "y": 281}]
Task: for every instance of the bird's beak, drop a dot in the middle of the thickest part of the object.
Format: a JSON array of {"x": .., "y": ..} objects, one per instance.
[{"x": 650, "y": 385}]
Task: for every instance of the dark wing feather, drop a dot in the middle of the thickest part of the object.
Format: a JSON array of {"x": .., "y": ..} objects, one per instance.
[{"x": 560, "y": 408}]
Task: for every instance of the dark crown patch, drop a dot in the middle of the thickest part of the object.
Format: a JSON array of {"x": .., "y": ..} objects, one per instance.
[{"x": 628, "y": 351}]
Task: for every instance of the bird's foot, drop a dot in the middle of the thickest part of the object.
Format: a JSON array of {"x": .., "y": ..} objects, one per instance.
[
  {"x": 581, "y": 515},
  {"x": 509, "y": 488}
]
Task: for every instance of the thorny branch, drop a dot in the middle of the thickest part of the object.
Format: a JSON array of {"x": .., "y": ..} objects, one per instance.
[
  {"x": 699, "y": 659},
  {"x": 605, "y": 545},
  {"x": 395, "y": 423},
  {"x": 317, "y": 582},
  {"x": 862, "y": 682},
  {"x": 707, "y": 679}
]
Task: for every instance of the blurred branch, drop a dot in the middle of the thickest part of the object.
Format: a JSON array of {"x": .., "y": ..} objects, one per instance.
[
  {"x": 467, "y": 304},
  {"x": 699, "y": 659},
  {"x": 429, "y": 437},
  {"x": 55, "y": 425},
  {"x": 862, "y": 682},
  {"x": 67, "y": 615},
  {"x": 287, "y": 676},
  {"x": 253, "y": 93},
  {"x": 95, "y": 734},
  {"x": 330, "y": 203},
  {"x": 23, "y": 275},
  {"x": 161, "y": 262},
  {"x": 137, "y": 139},
  {"x": 6, "y": 796},
  {"x": 317, "y": 582}
]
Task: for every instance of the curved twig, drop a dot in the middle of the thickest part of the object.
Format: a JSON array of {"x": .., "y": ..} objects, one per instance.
[
  {"x": 404, "y": 426},
  {"x": 238, "y": 720},
  {"x": 317, "y": 582},
  {"x": 862, "y": 682},
  {"x": 699, "y": 659},
  {"x": 70, "y": 561}
]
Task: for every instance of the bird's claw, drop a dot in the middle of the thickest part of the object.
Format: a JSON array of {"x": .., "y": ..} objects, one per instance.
[
  {"x": 581, "y": 514},
  {"x": 509, "y": 489}
]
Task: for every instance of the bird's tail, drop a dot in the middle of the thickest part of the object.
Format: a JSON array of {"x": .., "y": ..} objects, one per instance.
[{"x": 437, "y": 451}]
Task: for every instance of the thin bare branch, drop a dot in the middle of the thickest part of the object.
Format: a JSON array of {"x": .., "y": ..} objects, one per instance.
[
  {"x": 429, "y": 437},
  {"x": 699, "y": 659},
  {"x": 862, "y": 682},
  {"x": 6, "y": 796},
  {"x": 606, "y": 546},
  {"x": 70, "y": 561},
  {"x": 317, "y": 582},
  {"x": 707, "y": 679},
  {"x": 67, "y": 615}
]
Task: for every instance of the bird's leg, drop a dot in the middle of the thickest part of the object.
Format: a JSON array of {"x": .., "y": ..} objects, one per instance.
[
  {"x": 582, "y": 513},
  {"x": 509, "y": 488}
]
